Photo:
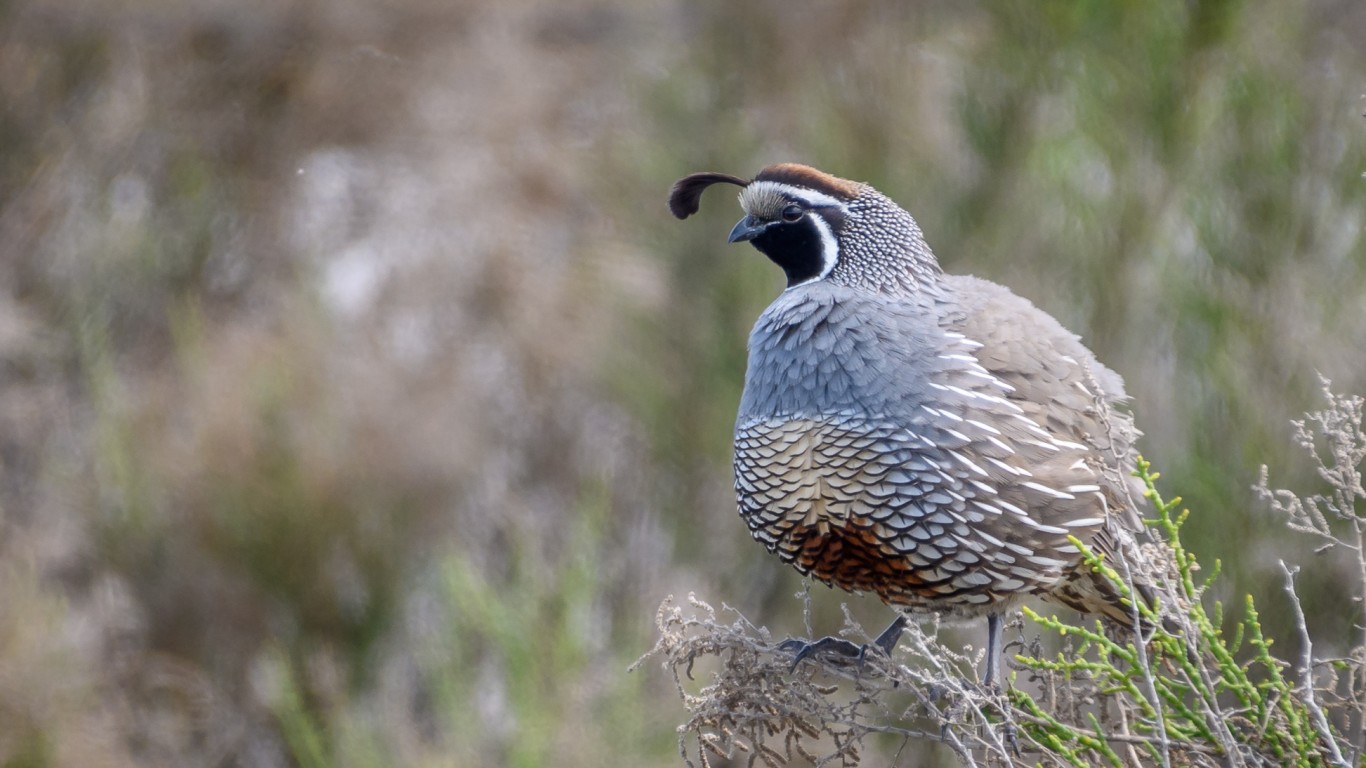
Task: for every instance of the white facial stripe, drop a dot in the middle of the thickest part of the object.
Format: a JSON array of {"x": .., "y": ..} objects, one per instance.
[
  {"x": 830, "y": 249},
  {"x": 810, "y": 197}
]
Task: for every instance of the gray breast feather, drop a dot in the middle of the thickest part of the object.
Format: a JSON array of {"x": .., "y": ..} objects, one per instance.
[{"x": 823, "y": 349}]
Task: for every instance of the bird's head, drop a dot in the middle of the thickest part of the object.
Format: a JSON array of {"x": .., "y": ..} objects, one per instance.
[{"x": 821, "y": 227}]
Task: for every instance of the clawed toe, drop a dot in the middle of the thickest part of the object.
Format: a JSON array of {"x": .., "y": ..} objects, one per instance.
[
  {"x": 885, "y": 642},
  {"x": 835, "y": 646}
]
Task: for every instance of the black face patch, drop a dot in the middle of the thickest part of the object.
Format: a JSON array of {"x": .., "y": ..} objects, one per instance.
[{"x": 796, "y": 247}]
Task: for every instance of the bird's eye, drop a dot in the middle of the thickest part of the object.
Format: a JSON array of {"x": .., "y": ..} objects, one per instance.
[{"x": 792, "y": 212}]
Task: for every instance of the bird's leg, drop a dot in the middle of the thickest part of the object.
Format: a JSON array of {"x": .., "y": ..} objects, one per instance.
[
  {"x": 886, "y": 641},
  {"x": 994, "y": 627}
]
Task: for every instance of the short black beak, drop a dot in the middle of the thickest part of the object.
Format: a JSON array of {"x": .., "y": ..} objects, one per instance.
[{"x": 748, "y": 228}]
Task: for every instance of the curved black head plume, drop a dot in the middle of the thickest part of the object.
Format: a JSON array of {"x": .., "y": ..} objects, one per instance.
[{"x": 686, "y": 194}]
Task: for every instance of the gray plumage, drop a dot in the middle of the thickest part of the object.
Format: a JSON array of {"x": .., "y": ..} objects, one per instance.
[{"x": 933, "y": 439}]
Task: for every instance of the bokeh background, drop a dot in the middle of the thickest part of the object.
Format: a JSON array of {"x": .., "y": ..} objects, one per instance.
[{"x": 360, "y": 401}]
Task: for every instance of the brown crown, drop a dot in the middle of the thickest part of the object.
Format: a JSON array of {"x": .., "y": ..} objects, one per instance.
[{"x": 798, "y": 175}]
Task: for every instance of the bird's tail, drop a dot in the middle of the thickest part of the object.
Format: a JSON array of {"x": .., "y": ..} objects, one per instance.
[
  {"x": 1090, "y": 591},
  {"x": 1094, "y": 593}
]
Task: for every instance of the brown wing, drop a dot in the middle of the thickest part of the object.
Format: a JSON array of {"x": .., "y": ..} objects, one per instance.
[{"x": 1058, "y": 383}]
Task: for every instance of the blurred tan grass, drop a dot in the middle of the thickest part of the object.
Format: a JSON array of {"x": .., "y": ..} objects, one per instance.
[{"x": 359, "y": 401}]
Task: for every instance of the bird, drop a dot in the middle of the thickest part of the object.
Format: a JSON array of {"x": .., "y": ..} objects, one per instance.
[{"x": 933, "y": 439}]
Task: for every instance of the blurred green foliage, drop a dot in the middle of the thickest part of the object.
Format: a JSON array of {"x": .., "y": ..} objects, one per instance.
[{"x": 357, "y": 389}]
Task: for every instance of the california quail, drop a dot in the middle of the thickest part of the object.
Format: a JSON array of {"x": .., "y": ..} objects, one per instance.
[{"x": 933, "y": 439}]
